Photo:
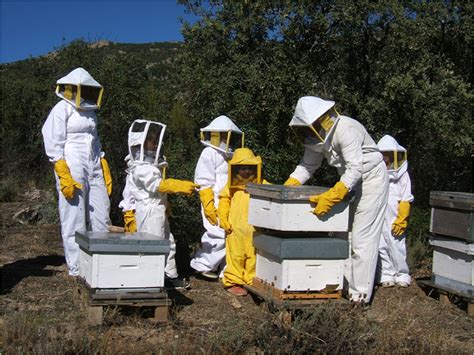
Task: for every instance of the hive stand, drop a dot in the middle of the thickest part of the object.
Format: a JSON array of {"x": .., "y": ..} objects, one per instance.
[
  {"x": 93, "y": 301},
  {"x": 447, "y": 294},
  {"x": 287, "y": 303}
]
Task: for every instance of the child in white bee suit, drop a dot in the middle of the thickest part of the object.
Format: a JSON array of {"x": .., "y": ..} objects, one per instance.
[
  {"x": 244, "y": 168},
  {"x": 220, "y": 138},
  {"x": 150, "y": 188},
  {"x": 393, "y": 267}
]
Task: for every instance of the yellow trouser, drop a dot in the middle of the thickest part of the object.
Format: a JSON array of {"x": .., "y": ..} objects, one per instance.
[{"x": 240, "y": 253}]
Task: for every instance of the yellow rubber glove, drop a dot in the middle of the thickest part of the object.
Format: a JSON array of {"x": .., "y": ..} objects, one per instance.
[
  {"x": 207, "y": 200},
  {"x": 223, "y": 213},
  {"x": 174, "y": 186},
  {"x": 400, "y": 224},
  {"x": 107, "y": 176},
  {"x": 292, "y": 182},
  {"x": 130, "y": 224},
  {"x": 328, "y": 199},
  {"x": 66, "y": 183}
]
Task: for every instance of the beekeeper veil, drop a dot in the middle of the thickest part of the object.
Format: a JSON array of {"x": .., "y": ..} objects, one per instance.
[
  {"x": 145, "y": 142},
  {"x": 244, "y": 168},
  {"x": 80, "y": 89},
  {"x": 314, "y": 120},
  {"x": 222, "y": 134},
  {"x": 395, "y": 156}
]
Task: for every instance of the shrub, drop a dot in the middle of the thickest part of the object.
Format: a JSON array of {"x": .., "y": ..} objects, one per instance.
[{"x": 8, "y": 191}]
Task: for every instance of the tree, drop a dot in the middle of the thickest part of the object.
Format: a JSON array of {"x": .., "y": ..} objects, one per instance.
[{"x": 388, "y": 64}]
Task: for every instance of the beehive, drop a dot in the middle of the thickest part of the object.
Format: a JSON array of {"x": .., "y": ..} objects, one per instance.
[
  {"x": 287, "y": 208},
  {"x": 122, "y": 260},
  {"x": 301, "y": 264},
  {"x": 452, "y": 214},
  {"x": 453, "y": 259}
]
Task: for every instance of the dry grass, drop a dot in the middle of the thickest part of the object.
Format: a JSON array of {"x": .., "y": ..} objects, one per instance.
[{"x": 39, "y": 314}]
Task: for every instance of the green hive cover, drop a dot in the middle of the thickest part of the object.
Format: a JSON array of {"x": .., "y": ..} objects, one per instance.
[
  {"x": 105, "y": 242},
  {"x": 302, "y": 248}
]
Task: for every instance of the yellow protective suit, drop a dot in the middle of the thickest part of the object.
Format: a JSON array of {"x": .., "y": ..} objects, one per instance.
[
  {"x": 233, "y": 216},
  {"x": 240, "y": 253}
]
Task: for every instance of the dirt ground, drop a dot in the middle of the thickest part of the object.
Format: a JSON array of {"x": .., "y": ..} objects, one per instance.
[{"x": 40, "y": 312}]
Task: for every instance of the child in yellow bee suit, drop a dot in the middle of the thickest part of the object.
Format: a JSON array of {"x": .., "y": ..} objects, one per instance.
[{"x": 244, "y": 167}]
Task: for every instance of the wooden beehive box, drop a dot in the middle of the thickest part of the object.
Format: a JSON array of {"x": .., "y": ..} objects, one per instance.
[
  {"x": 453, "y": 260},
  {"x": 452, "y": 214},
  {"x": 301, "y": 264},
  {"x": 287, "y": 208},
  {"x": 122, "y": 260}
]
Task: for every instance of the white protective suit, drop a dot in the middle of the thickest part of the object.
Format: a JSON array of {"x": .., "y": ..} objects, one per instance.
[
  {"x": 211, "y": 172},
  {"x": 350, "y": 149},
  {"x": 145, "y": 174},
  {"x": 70, "y": 133},
  {"x": 128, "y": 201},
  {"x": 393, "y": 265}
]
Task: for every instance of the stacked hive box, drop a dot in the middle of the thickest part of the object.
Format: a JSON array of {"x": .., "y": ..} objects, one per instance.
[
  {"x": 452, "y": 238},
  {"x": 296, "y": 250},
  {"x": 122, "y": 261}
]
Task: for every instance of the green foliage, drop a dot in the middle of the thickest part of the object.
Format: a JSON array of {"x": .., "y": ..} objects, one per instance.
[
  {"x": 418, "y": 248},
  {"x": 389, "y": 64},
  {"x": 27, "y": 93},
  {"x": 401, "y": 68}
]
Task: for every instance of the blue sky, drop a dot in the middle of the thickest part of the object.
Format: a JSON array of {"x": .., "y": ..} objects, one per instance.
[{"x": 33, "y": 28}]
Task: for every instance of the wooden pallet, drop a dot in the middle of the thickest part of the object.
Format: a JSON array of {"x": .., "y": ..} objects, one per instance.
[
  {"x": 281, "y": 295},
  {"x": 290, "y": 300},
  {"x": 447, "y": 294},
  {"x": 95, "y": 300}
]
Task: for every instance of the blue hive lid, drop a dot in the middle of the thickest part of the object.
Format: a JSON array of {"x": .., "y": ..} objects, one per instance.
[
  {"x": 108, "y": 242},
  {"x": 302, "y": 248}
]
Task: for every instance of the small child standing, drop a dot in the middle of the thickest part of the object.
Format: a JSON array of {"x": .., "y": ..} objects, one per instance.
[
  {"x": 220, "y": 138},
  {"x": 150, "y": 188},
  {"x": 392, "y": 266},
  {"x": 244, "y": 167}
]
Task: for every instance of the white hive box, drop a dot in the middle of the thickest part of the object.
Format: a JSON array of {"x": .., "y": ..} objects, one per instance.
[
  {"x": 453, "y": 259},
  {"x": 301, "y": 264},
  {"x": 287, "y": 208},
  {"x": 119, "y": 260}
]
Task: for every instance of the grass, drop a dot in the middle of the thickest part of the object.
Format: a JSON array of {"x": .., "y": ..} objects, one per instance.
[{"x": 8, "y": 190}]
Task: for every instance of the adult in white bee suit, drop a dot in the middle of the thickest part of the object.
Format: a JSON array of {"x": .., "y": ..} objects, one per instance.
[
  {"x": 393, "y": 267},
  {"x": 128, "y": 204},
  {"x": 82, "y": 174},
  {"x": 346, "y": 145},
  {"x": 150, "y": 186},
  {"x": 220, "y": 138}
]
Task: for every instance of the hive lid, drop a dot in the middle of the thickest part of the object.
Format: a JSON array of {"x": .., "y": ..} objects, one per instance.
[
  {"x": 108, "y": 242},
  {"x": 452, "y": 199},
  {"x": 286, "y": 193},
  {"x": 302, "y": 248}
]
